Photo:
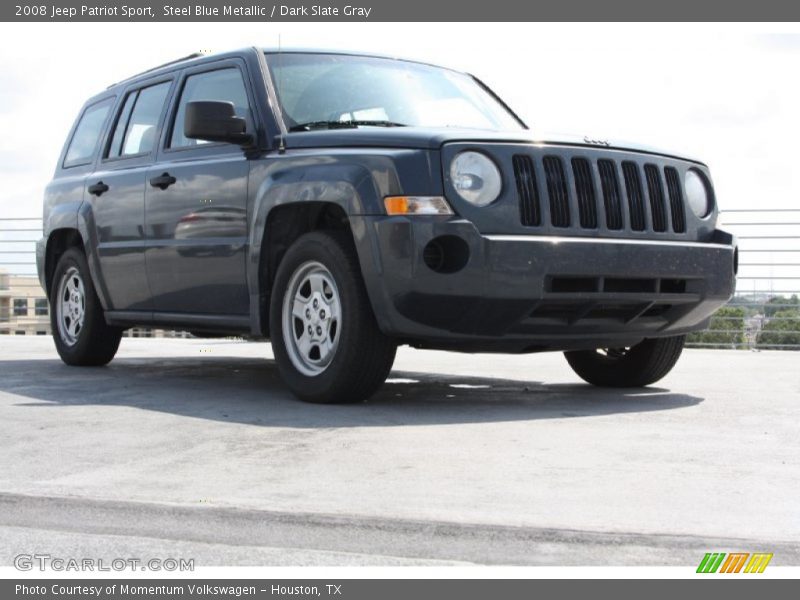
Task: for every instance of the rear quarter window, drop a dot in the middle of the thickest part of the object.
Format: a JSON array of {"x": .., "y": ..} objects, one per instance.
[{"x": 87, "y": 133}]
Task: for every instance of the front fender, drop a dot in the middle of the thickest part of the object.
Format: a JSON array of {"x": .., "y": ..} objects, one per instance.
[{"x": 355, "y": 180}]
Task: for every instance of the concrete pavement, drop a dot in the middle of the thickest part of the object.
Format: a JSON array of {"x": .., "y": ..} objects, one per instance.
[{"x": 488, "y": 459}]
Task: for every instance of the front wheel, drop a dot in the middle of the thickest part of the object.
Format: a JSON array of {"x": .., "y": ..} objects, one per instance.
[
  {"x": 326, "y": 341},
  {"x": 635, "y": 366}
]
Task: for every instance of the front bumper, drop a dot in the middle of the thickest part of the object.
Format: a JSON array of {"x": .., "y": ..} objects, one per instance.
[{"x": 520, "y": 293}]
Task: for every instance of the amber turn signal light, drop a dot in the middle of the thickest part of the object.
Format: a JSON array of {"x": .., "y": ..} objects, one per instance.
[{"x": 416, "y": 205}]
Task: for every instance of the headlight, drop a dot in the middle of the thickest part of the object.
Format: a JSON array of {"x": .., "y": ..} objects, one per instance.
[
  {"x": 697, "y": 193},
  {"x": 476, "y": 178}
]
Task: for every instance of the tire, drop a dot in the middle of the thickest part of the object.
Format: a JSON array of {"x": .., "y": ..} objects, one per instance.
[
  {"x": 637, "y": 366},
  {"x": 344, "y": 357},
  {"x": 80, "y": 332}
]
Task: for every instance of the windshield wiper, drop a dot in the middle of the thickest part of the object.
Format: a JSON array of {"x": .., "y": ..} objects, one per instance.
[{"x": 353, "y": 124}]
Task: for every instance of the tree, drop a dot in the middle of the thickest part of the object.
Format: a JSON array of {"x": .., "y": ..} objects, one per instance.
[
  {"x": 782, "y": 330},
  {"x": 750, "y": 307},
  {"x": 779, "y": 303},
  {"x": 726, "y": 329}
]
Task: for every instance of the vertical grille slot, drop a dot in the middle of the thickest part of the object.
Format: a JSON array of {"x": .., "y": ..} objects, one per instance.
[
  {"x": 584, "y": 186},
  {"x": 611, "y": 195},
  {"x": 529, "y": 210},
  {"x": 675, "y": 200},
  {"x": 656, "y": 192},
  {"x": 557, "y": 191},
  {"x": 633, "y": 185}
]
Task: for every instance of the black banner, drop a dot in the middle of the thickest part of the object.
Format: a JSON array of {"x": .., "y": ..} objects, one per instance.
[
  {"x": 389, "y": 589},
  {"x": 407, "y": 10}
]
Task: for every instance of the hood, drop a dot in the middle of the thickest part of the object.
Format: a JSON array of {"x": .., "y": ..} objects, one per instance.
[{"x": 430, "y": 138}]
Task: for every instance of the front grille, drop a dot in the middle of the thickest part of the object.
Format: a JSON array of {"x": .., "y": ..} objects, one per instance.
[
  {"x": 577, "y": 300},
  {"x": 617, "y": 195},
  {"x": 557, "y": 191},
  {"x": 571, "y": 284}
]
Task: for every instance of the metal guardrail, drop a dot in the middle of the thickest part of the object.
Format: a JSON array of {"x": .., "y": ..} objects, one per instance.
[
  {"x": 18, "y": 281},
  {"x": 764, "y": 313},
  {"x": 17, "y": 245}
]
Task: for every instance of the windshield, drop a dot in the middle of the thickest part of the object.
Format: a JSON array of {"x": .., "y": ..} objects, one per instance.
[{"x": 324, "y": 91}]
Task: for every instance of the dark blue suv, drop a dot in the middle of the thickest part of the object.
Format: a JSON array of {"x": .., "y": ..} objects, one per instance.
[{"x": 342, "y": 204}]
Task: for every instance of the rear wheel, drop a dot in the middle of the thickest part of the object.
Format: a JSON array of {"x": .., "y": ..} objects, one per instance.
[
  {"x": 634, "y": 366},
  {"x": 80, "y": 332},
  {"x": 326, "y": 341}
]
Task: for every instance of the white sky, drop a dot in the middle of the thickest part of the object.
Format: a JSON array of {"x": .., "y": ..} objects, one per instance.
[{"x": 726, "y": 94}]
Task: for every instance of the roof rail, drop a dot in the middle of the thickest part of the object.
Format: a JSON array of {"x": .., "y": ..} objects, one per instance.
[{"x": 166, "y": 64}]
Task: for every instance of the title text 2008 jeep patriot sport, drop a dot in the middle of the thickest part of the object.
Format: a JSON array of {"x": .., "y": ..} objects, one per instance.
[{"x": 342, "y": 204}]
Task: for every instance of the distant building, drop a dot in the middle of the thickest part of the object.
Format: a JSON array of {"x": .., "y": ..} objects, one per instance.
[{"x": 23, "y": 306}]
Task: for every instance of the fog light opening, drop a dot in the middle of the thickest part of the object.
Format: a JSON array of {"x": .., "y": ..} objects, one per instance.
[{"x": 446, "y": 254}]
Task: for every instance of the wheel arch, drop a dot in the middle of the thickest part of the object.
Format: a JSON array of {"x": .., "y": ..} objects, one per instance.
[
  {"x": 58, "y": 242},
  {"x": 284, "y": 224},
  {"x": 71, "y": 225}
]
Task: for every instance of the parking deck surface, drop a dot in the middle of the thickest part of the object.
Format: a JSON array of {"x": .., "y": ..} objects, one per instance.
[{"x": 195, "y": 448}]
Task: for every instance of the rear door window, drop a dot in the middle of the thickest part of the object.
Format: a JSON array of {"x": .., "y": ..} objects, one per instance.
[
  {"x": 137, "y": 126},
  {"x": 87, "y": 134}
]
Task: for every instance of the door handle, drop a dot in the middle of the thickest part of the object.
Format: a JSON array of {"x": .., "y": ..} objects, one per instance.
[
  {"x": 98, "y": 188},
  {"x": 163, "y": 181}
]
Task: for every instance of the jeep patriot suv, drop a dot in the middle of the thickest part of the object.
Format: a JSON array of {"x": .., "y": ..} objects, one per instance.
[{"x": 342, "y": 204}]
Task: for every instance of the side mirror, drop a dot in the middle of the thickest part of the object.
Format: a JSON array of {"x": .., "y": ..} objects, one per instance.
[{"x": 215, "y": 122}]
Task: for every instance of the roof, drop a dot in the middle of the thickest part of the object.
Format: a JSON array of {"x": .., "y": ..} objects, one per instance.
[
  {"x": 164, "y": 66},
  {"x": 272, "y": 50},
  {"x": 198, "y": 56}
]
